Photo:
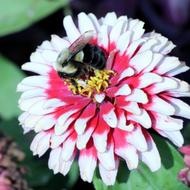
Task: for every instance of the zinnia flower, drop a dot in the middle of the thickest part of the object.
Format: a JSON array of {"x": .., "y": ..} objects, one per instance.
[{"x": 105, "y": 116}]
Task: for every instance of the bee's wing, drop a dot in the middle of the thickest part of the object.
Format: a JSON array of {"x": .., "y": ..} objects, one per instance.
[{"x": 80, "y": 43}]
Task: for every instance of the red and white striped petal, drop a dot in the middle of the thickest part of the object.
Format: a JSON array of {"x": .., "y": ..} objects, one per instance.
[
  {"x": 124, "y": 149},
  {"x": 148, "y": 79},
  {"x": 136, "y": 61},
  {"x": 143, "y": 119},
  {"x": 87, "y": 163},
  {"x": 83, "y": 139},
  {"x": 100, "y": 135},
  {"x": 68, "y": 147},
  {"x": 159, "y": 105},
  {"x": 82, "y": 120},
  {"x": 108, "y": 114},
  {"x": 137, "y": 139}
]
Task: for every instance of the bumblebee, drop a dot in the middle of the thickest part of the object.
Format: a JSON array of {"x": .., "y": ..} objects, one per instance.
[{"x": 80, "y": 58}]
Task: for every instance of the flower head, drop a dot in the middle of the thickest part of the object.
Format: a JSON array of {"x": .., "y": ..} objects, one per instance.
[{"x": 103, "y": 115}]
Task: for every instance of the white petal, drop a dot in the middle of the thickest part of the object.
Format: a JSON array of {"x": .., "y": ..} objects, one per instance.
[
  {"x": 166, "y": 84},
  {"x": 148, "y": 79},
  {"x": 133, "y": 46},
  {"x": 124, "y": 90},
  {"x": 151, "y": 157},
  {"x": 106, "y": 158},
  {"x": 138, "y": 30},
  {"x": 59, "y": 43},
  {"x": 36, "y": 57},
  {"x": 148, "y": 45},
  {"x": 56, "y": 140},
  {"x": 103, "y": 37},
  {"x": 37, "y": 107},
  {"x": 122, "y": 123},
  {"x": 156, "y": 59},
  {"x": 36, "y": 81},
  {"x": 167, "y": 123},
  {"x": 117, "y": 30},
  {"x": 141, "y": 61},
  {"x": 180, "y": 69},
  {"x": 49, "y": 56},
  {"x": 83, "y": 139},
  {"x": 133, "y": 108},
  {"x": 175, "y": 136},
  {"x": 25, "y": 105},
  {"x": 53, "y": 103},
  {"x": 22, "y": 117},
  {"x": 68, "y": 149},
  {"x": 126, "y": 73},
  {"x": 54, "y": 158},
  {"x": 143, "y": 119},
  {"x": 125, "y": 37},
  {"x": 167, "y": 64},
  {"x": 110, "y": 118},
  {"x": 38, "y": 68},
  {"x": 137, "y": 95},
  {"x": 37, "y": 92},
  {"x": 60, "y": 126},
  {"x": 65, "y": 166},
  {"x": 110, "y": 19},
  {"x": 87, "y": 165},
  {"x": 45, "y": 123},
  {"x": 100, "y": 141},
  {"x": 70, "y": 28},
  {"x": 130, "y": 155},
  {"x": 85, "y": 24},
  {"x": 36, "y": 141},
  {"x": 31, "y": 121},
  {"x": 22, "y": 88},
  {"x": 43, "y": 145},
  {"x": 159, "y": 105},
  {"x": 86, "y": 115},
  {"x": 137, "y": 139},
  {"x": 182, "y": 109},
  {"x": 108, "y": 176},
  {"x": 99, "y": 97},
  {"x": 94, "y": 21}
]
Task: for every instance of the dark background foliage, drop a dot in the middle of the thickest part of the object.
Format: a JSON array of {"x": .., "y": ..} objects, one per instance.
[{"x": 168, "y": 17}]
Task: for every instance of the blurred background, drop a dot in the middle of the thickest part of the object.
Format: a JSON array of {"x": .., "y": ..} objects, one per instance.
[{"x": 24, "y": 24}]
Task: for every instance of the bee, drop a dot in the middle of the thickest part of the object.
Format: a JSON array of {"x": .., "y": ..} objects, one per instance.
[{"x": 80, "y": 58}]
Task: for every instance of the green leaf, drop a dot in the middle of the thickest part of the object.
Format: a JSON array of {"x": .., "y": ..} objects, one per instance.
[
  {"x": 143, "y": 178},
  {"x": 10, "y": 76},
  {"x": 16, "y": 15}
]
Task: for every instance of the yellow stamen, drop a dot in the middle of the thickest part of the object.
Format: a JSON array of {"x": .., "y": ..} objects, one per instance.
[{"x": 95, "y": 84}]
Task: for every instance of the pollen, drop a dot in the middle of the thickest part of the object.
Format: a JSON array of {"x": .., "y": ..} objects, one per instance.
[{"x": 96, "y": 83}]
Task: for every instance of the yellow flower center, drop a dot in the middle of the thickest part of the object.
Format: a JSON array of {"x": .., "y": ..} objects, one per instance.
[{"x": 96, "y": 83}]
